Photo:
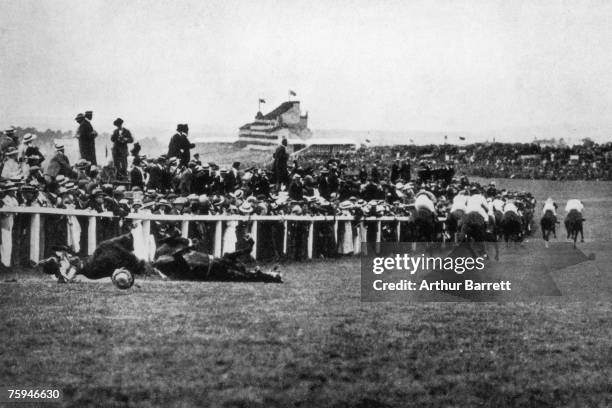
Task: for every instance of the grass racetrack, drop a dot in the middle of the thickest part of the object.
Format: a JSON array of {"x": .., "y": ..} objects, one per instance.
[{"x": 312, "y": 342}]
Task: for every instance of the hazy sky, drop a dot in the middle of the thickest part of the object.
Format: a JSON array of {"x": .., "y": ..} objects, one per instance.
[{"x": 387, "y": 65}]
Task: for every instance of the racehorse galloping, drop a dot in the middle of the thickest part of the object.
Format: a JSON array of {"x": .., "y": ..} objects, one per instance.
[
  {"x": 573, "y": 226},
  {"x": 424, "y": 225},
  {"x": 454, "y": 223},
  {"x": 474, "y": 230},
  {"x": 548, "y": 224},
  {"x": 512, "y": 227}
]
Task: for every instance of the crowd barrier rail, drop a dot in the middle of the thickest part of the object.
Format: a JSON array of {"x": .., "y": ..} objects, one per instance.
[{"x": 186, "y": 219}]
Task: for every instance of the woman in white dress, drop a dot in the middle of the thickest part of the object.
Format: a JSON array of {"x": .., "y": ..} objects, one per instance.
[
  {"x": 345, "y": 243},
  {"x": 229, "y": 232}
]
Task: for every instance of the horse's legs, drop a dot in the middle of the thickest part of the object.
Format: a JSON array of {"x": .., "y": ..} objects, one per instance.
[
  {"x": 581, "y": 233},
  {"x": 575, "y": 236}
]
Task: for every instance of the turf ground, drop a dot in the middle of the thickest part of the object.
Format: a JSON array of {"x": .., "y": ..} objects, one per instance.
[{"x": 312, "y": 342}]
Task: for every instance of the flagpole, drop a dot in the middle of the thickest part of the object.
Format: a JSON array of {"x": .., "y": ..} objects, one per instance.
[{"x": 259, "y": 105}]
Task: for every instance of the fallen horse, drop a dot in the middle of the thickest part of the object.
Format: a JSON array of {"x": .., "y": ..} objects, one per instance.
[{"x": 175, "y": 259}]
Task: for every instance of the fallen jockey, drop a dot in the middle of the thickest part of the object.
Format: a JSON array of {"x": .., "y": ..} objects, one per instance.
[
  {"x": 177, "y": 259},
  {"x": 111, "y": 254},
  {"x": 180, "y": 261}
]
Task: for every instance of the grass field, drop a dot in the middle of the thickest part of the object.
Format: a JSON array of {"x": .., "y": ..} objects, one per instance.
[{"x": 312, "y": 342}]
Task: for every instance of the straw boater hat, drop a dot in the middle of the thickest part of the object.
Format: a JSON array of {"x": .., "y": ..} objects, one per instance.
[
  {"x": 180, "y": 201},
  {"x": 28, "y": 137},
  {"x": 82, "y": 164},
  {"x": 163, "y": 202},
  {"x": 346, "y": 205},
  {"x": 61, "y": 180},
  {"x": 246, "y": 208}
]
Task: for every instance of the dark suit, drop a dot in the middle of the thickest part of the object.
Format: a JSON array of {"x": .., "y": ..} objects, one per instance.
[
  {"x": 232, "y": 181},
  {"x": 180, "y": 147},
  {"x": 87, "y": 141},
  {"x": 280, "y": 165},
  {"x": 395, "y": 172},
  {"x": 156, "y": 177},
  {"x": 120, "y": 139},
  {"x": 137, "y": 177}
]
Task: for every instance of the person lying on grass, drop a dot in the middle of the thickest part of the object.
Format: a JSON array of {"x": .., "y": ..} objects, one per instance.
[{"x": 176, "y": 257}]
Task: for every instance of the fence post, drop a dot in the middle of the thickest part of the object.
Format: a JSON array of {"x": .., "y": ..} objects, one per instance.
[
  {"x": 254, "y": 235},
  {"x": 146, "y": 233},
  {"x": 336, "y": 234},
  {"x": 364, "y": 238},
  {"x": 91, "y": 235},
  {"x": 185, "y": 229},
  {"x": 310, "y": 239},
  {"x": 285, "y": 233},
  {"x": 399, "y": 234},
  {"x": 218, "y": 239},
  {"x": 35, "y": 238}
]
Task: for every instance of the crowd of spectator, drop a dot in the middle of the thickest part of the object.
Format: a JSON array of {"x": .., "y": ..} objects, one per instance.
[{"x": 359, "y": 184}]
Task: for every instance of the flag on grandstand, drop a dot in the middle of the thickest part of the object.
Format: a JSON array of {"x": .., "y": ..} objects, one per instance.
[
  {"x": 262, "y": 100},
  {"x": 291, "y": 93},
  {"x": 368, "y": 141},
  {"x": 461, "y": 138}
]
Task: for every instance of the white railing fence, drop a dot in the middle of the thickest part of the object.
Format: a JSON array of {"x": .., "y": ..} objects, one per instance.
[{"x": 35, "y": 253}]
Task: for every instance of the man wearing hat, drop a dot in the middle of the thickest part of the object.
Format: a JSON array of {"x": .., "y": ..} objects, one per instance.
[
  {"x": 296, "y": 188},
  {"x": 137, "y": 173},
  {"x": 180, "y": 145},
  {"x": 281, "y": 156},
  {"x": 59, "y": 163},
  {"x": 232, "y": 180},
  {"x": 31, "y": 153},
  {"x": 87, "y": 139},
  {"x": 121, "y": 137}
]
